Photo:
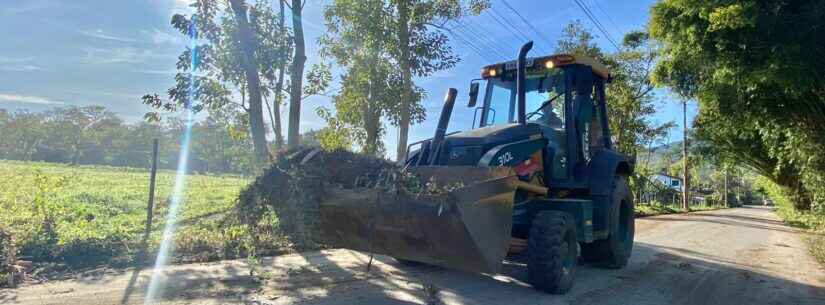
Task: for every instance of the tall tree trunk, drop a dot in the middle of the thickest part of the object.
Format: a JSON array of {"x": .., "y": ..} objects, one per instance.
[
  {"x": 686, "y": 174},
  {"x": 256, "y": 115},
  {"x": 403, "y": 7},
  {"x": 371, "y": 119},
  {"x": 297, "y": 76},
  {"x": 279, "y": 87}
]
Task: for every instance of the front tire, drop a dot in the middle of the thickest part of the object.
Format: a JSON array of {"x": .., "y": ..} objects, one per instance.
[
  {"x": 552, "y": 250},
  {"x": 614, "y": 252}
]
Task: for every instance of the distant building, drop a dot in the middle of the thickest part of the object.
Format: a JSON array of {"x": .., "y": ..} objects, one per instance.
[{"x": 668, "y": 181}]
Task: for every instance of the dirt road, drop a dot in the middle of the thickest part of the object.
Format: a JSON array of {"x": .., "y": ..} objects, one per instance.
[{"x": 735, "y": 256}]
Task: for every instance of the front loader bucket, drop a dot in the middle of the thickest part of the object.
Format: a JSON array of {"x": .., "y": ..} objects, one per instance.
[{"x": 466, "y": 229}]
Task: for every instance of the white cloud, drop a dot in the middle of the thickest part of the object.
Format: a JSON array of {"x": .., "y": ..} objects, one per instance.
[
  {"x": 17, "y": 64},
  {"x": 29, "y": 6},
  {"x": 100, "y": 34},
  {"x": 160, "y": 37},
  {"x": 117, "y": 55},
  {"x": 7, "y": 60},
  {"x": 29, "y": 99},
  {"x": 161, "y": 72},
  {"x": 20, "y": 68},
  {"x": 181, "y": 6}
]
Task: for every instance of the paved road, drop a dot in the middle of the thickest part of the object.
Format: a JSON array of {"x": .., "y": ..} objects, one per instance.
[{"x": 735, "y": 256}]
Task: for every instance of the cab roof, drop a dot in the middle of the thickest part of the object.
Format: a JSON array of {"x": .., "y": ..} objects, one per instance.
[{"x": 550, "y": 61}]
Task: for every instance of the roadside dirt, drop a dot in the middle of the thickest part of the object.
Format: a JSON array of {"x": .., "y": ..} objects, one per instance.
[{"x": 735, "y": 256}]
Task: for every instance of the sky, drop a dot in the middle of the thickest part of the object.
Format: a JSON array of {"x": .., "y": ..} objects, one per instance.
[{"x": 83, "y": 52}]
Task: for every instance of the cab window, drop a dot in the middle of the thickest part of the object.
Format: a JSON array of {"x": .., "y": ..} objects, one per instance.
[{"x": 501, "y": 98}]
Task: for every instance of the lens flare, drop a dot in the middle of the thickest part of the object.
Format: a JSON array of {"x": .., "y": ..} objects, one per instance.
[{"x": 165, "y": 251}]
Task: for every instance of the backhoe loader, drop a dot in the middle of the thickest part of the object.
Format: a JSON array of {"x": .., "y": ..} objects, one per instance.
[{"x": 537, "y": 168}]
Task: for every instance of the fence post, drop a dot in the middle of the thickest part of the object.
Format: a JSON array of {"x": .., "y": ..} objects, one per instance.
[
  {"x": 151, "y": 202},
  {"x": 141, "y": 255}
]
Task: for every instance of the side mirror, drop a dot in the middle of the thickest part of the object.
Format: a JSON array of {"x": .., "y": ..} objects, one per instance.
[{"x": 473, "y": 94}]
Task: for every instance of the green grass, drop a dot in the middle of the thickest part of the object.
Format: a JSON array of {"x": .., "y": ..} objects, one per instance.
[
  {"x": 812, "y": 222},
  {"x": 91, "y": 215},
  {"x": 644, "y": 210}
]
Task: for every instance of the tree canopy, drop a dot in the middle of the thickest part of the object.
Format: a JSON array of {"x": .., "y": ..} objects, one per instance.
[{"x": 755, "y": 69}]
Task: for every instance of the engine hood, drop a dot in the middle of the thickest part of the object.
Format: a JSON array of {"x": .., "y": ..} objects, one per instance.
[
  {"x": 495, "y": 134},
  {"x": 467, "y": 148}
]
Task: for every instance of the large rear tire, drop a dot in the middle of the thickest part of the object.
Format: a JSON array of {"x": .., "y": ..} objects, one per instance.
[
  {"x": 552, "y": 250},
  {"x": 615, "y": 251}
]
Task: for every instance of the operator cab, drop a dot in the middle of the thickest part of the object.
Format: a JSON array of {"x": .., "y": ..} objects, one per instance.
[{"x": 561, "y": 92}]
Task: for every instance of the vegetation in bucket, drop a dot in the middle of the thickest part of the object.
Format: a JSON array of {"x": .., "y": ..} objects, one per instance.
[{"x": 294, "y": 184}]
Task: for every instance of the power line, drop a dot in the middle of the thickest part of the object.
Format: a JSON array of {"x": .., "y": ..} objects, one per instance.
[
  {"x": 538, "y": 33},
  {"x": 612, "y": 22},
  {"x": 507, "y": 49},
  {"x": 481, "y": 38},
  {"x": 507, "y": 25},
  {"x": 596, "y": 22},
  {"x": 472, "y": 47}
]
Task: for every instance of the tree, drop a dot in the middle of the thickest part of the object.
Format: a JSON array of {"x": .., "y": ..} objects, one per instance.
[
  {"x": 358, "y": 41},
  {"x": 421, "y": 48},
  {"x": 253, "y": 83},
  {"x": 753, "y": 65},
  {"x": 237, "y": 47},
  {"x": 576, "y": 39},
  {"x": 219, "y": 66},
  {"x": 22, "y": 132},
  {"x": 85, "y": 134},
  {"x": 298, "y": 61},
  {"x": 407, "y": 34},
  {"x": 284, "y": 50}
]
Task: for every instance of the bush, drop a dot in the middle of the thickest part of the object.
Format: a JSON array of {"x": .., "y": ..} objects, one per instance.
[
  {"x": 8, "y": 259},
  {"x": 811, "y": 220}
]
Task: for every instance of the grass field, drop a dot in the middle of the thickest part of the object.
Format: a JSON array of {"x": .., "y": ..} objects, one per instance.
[{"x": 91, "y": 215}]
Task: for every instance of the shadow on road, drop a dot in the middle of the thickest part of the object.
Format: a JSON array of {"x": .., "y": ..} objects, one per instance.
[{"x": 656, "y": 275}]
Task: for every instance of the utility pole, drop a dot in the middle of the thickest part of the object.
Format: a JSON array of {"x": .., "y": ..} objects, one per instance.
[
  {"x": 726, "y": 187},
  {"x": 686, "y": 169}
]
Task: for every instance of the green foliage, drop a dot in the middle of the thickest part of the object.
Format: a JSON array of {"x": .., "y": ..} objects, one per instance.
[
  {"x": 752, "y": 67},
  {"x": 380, "y": 45},
  {"x": 86, "y": 215},
  {"x": 643, "y": 210},
  {"x": 360, "y": 39},
  {"x": 8, "y": 258},
  {"x": 22, "y": 132},
  {"x": 93, "y": 135},
  {"x": 220, "y": 76},
  {"x": 813, "y": 222},
  {"x": 578, "y": 40}
]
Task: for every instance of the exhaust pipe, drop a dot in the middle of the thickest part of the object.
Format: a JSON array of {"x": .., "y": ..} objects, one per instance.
[
  {"x": 520, "y": 90},
  {"x": 443, "y": 121}
]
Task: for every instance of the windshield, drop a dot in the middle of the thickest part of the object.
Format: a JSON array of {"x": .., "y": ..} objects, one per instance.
[{"x": 544, "y": 101}]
